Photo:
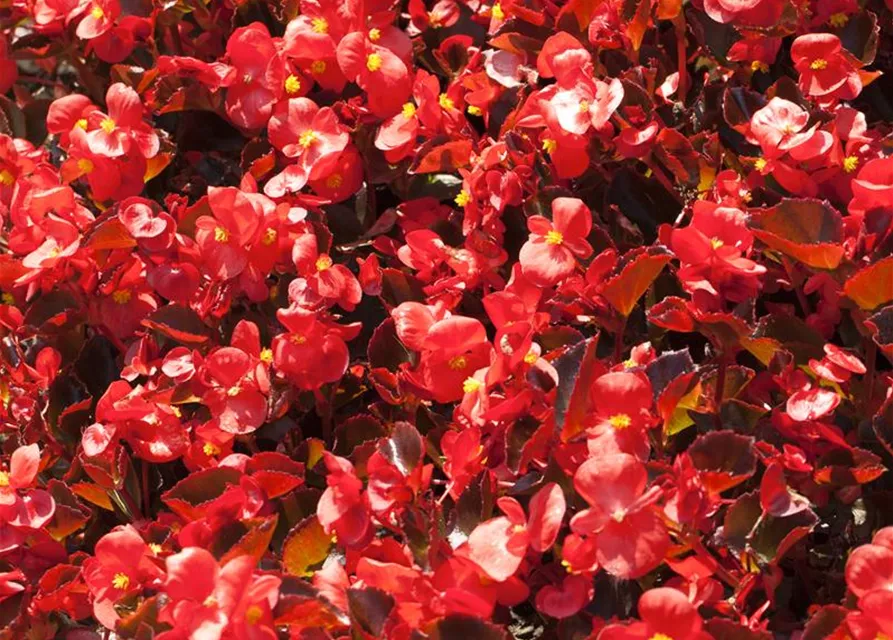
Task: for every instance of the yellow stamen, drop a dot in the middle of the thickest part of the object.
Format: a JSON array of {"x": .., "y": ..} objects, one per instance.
[
  {"x": 233, "y": 391},
  {"x": 334, "y": 181},
  {"x": 471, "y": 385},
  {"x": 82, "y": 123},
  {"x": 760, "y": 164},
  {"x": 210, "y": 449},
  {"x": 221, "y": 235},
  {"x": 7, "y": 298},
  {"x": 756, "y": 65},
  {"x": 85, "y": 165},
  {"x": 818, "y": 64},
  {"x": 107, "y": 125},
  {"x": 298, "y": 338},
  {"x": 307, "y": 138},
  {"x": 620, "y": 421},
  {"x": 660, "y": 636},
  {"x": 373, "y": 62},
  {"x": 4, "y": 479},
  {"x": 266, "y": 355},
  {"x": 583, "y": 106},
  {"x": 463, "y": 198},
  {"x": 97, "y": 12},
  {"x": 497, "y": 12},
  {"x": 375, "y": 34},
  {"x": 531, "y": 357},
  {"x": 121, "y": 581},
  {"x": 716, "y": 243},
  {"x": 850, "y": 163},
  {"x": 319, "y": 25},
  {"x": 122, "y": 296},
  {"x": 155, "y": 548},
  {"x": 408, "y": 110},
  {"x": 6, "y": 178},
  {"x": 446, "y": 102},
  {"x": 554, "y": 237},
  {"x": 292, "y": 84},
  {"x": 838, "y": 19},
  {"x": 549, "y": 145},
  {"x": 323, "y": 262},
  {"x": 318, "y": 67},
  {"x": 475, "y": 111},
  {"x": 270, "y": 236},
  {"x": 253, "y": 614},
  {"x": 458, "y": 363}
]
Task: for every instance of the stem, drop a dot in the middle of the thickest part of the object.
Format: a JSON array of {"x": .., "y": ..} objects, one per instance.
[
  {"x": 720, "y": 388},
  {"x": 801, "y": 296},
  {"x": 145, "y": 487},
  {"x": 618, "y": 341},
  {"x": 681, "y": 58},
  {"x": 694, "y": 541}
]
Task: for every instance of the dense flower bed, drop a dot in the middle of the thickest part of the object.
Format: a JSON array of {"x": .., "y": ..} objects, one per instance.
[{"x": 456, "y": 320}]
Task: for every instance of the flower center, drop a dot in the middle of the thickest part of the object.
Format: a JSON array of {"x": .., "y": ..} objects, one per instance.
[
  {"x": 155, "y": 548},
  {"x": 4, "y": 479},
  {"x": 292, "y": 84},
  {"x": 838, "y": 19},
  {"x": 266, "y": 355},
  {"x": 82, "y": 123},
  {"x": 549, "y": 145},
  {"x": 6, "y": 178},
  {"x": 318, "y": 67},
  {"x": 760, "y": 164},
  {"x": 319, "y": 25},
  {"x": 618, "y": 515},
  {"x": 233, "y": 391},
  {"x": 818, "y": 64},
  {"x": 446, "y": 102},
  {"x": 620, "y": 421},
  {"x": 463, "y": 198},
  {"x": 107, "y": 125},
  {"x": 475, "y": 110},
  {"x": 554, "y": 237},
  {"x": 121, "y": 581},
  {"x": 85, "y": 165},
  {"x": 323, "y": 262},
  {"x": 375, "y": 34},
  {"x": 221, "y": 235},
  {"x": 97, "y": 12},
  {"x": 850, "y": 163},
  {"x": 458, "y": 363},
  {"x": 408, "y": 110},
  {"x": 583, "y": 107},
  {"x": 531, "y": 357},
  {"x": 270, "y": 236},
  {"x": 660, "y": 636},
  {"x": 253, "y": 614},
  {"x": 497, "y": 12},
  {"x": 756, "y": 65},
  {"x": 210, "y": 449},
  {"x": 298, "y": 338},
  {"x": 122, "y": 296},
  {"x": 471, "y": 385},
  {"x": 373, "y": 62},
  {"x": 716, "y": 243},
  {"x": 334, "y": 181},
  {"x": 307, "y": 138}
]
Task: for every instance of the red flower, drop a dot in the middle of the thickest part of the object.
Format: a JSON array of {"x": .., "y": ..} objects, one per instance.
[
  {"x": 237, "y": 384},
  {"x": 550, "y": 253},
  {"x": 225, "y": 238},
  {"x": 377, "y": 70},
  {"x": 22, "y": 509},
  {"x": 313, "y": 352},
  {"x": 630, "y": 539},
  {"x": 712, "y": 250},
  {"x": 665, "y": 613},
  {"x": 332, "y": 282},
  {"x": 826, "y": 69},
  {"x": 622, "y": 415},
  {"x": 99, "y": 17},
  {"x": 122, "y": 564},
  {"x": 259, "y": 76},
  {"x": 123, "y": 129},
  {"x": 343, "y": 509},
  {"x": 312, "y": 136}
]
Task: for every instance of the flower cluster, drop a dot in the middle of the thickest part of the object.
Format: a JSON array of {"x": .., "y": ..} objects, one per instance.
[{"x": 446, "y": 319}]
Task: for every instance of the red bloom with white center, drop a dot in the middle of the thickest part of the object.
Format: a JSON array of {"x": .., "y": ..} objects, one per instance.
[
  {"x": 827, "y": 70},
  {"x": 629, "y": 537},
  {"x": 551, "y": 251},
  {"x": 98, "y": 17},
  {"x": 588, "y": 104},
  {"x": 122, "y": 131}
]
